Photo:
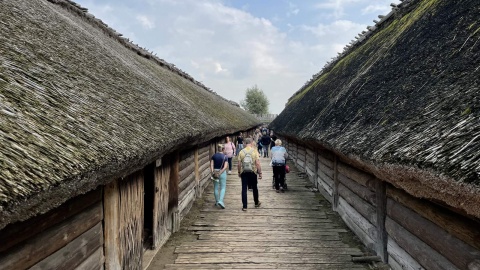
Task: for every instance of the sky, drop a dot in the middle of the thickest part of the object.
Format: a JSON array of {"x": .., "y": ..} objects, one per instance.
[{"x": 233, "y": 45}]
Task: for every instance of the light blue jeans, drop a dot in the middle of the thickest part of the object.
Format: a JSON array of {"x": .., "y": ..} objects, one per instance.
[{"x": 222, "y": 182}]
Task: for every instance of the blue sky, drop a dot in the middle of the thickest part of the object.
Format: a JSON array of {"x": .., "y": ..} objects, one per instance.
[{"x": 231, "y": 45}]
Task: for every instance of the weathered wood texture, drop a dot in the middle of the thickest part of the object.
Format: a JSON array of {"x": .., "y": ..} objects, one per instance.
[
  {"x": 162, "y": 221},
  {"x": 15, "y": 233},
  {"x": 123, "y": 206},
  {"x": 290, "y": 230},
  {"x": 42, "y": 245},
  {"x": 75, "y": 252},
  {"x": 424, "y": 254},
  {"x": 452, "y": 248}
]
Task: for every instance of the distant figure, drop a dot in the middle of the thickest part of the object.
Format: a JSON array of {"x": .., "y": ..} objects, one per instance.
[
  {"x": 273, "y": 139},
  {"x": 265, "y": 144},
  {"x": 239, "y": 143},
  {"x": 218, "y": 166},
  {"x": 248, "y": 169},
  {"x": 230, "y": 152},
  {"x": 279, "y": 160}
]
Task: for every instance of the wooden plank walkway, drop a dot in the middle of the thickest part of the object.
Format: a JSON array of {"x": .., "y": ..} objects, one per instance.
[{"x": 290, "y": 230}]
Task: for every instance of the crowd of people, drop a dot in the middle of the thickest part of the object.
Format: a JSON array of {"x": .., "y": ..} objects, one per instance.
[{"x": 248, "y": 151}]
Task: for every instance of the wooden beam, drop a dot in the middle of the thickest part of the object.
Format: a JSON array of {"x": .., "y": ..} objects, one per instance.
[
  {"x": 46, "y": 243},
  {"x": 459, "y": 226},
  {"x": 75, "y": 252},
  {"x": 111, "y": 230},
  {"x": 336, "y": 183},
  {"x": 361, "y": 177},
  {"x": 362, "y": 207},
  {"x": 15, "y": 233},
  {"x": 365, "y": 193},
  {"x": 452, "y": 248},
  {"x": 421, "y": 252},
  {"x": 382, "y": 236}
]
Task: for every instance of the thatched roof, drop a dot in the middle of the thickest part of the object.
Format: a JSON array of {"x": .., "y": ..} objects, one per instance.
[
  {"x": 81, "y": 106},
  {"x": 404, "y": 102}
]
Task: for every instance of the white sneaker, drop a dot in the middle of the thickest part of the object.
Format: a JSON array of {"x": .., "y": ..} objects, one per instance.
[{"x": 229, "y": 172}]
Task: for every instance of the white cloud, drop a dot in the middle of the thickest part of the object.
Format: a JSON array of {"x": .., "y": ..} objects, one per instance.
[
  {"x": 378, "y": 8},
  {"x": 145, "y": 21}
]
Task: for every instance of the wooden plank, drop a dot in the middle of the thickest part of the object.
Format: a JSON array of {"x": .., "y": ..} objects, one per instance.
[
  {"x": 421, "y": 252},
  {"x": 249, "y": 249},
  {"x": 325, "y": 178},
  {"x": 459, "y": 226},
  {"x": 365, "y": 193},
  {"x": 326, "y": 159},
  {"x": 14, "y": 234},
  {"x": 173, "y": 184},
  {"x": 186, "y": 161},
  {"x": 188, "y": 170},
  {"x": 94, "y": 262},
  {"x": 186, "y": 182},
  {"x": 381, "y": 241},
  {"x": 46, "y": 243},
  {"x": 257, "y": 266},
  {"x": 358, "y": 224},
  {"x": 336, "y": 183},
  {"x": 361, "y": 177},
  {"x": 329, "y": 172},
  {"x": 162, "y": 222},
  {"x": 326, "y": 190},
  {"x": 452, "y": 248},
  {"x": 259, "y": 258},
  {"x": 188, "y": 198},
  {"x": 111, "y": 209},
  {"x": 186, "y": 190},
  {"x": 360, "y": 205},
  {"x": 75, "y": 252}
]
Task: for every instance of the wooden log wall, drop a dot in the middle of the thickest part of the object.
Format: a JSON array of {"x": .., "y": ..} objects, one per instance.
[
  {"x": 67, "y": 237},
  {"x": 406, "y": 232},
  {"x": 123, "y": 207},
  {"x": 162, "y": 217},
  {"x": 187, "y": 181},
  {"x": 310, "y": 165},
  {"x": 204, "y": 154}
]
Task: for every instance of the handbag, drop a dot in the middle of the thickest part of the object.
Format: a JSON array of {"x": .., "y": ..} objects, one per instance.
[
  {"x": 287, "y": 168},
  {"x": 216, "y": 174}
]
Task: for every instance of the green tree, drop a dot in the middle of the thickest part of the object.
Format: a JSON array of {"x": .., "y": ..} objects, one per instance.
[{"x": 255, "y": 101}]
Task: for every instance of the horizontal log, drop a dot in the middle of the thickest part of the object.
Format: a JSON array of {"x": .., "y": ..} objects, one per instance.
[
  {"x": 250, "y": 249},
  {"x": 39, "y": 247},
  {"x": 357, "y": 223},
  {"x": 459, "y": 226},
  {"x": 75, "y": 252},
  {"x": 365, "y": 193},
  {"x": 187, "y": 171},
  {"x": 326, "y": 158},
  {"x": 18, "y": 232},
  {"x": 186, "y": 182},
  {"x": 187, "y": 189},
  {"x": 186, "y": 162},
  {"x": 323, "y": 185},
  {"x": 186, "y": 154},
  {"x": 325, "y": 169},
  {"x": 94, "y": 262},
  {"x": 421, "y": 252},
  {"x": 327, "y": 179},
  {"x": 362, "y": 206},
  {"x": 363, "y": 259},
  {"x": 360, "y": 177},
  {"x": 450, "y": 247}
]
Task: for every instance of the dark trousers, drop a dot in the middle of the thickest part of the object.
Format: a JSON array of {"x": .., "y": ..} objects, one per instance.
[
  {"x": 279, "y": 176},
  {"x": 229, "y": 163},
  {"x": 249, "y": 179}
]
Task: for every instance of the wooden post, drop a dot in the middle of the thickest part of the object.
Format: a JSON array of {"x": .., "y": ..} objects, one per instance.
[
  {"x": 111, "y": 221},
  {"x": 315, "y": 174},
  {"x": 336, "y": 183},
  {"x": 382, "y": 237},
  {"x": 173, "y": 188},
  {"x": 197, "y": 174}
]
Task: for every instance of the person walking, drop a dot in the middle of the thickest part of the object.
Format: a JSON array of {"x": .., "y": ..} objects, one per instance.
[
  {"x": 218, "y": 168},
  {"x": 279, "y": 160},
  {"x": 239, "y": 145},
  {"x": 230, "y": 152},
  {"x": 265, "y": 143},
  {"x": 273, "y": 138},
  {"x": 249, "y": 170}
]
